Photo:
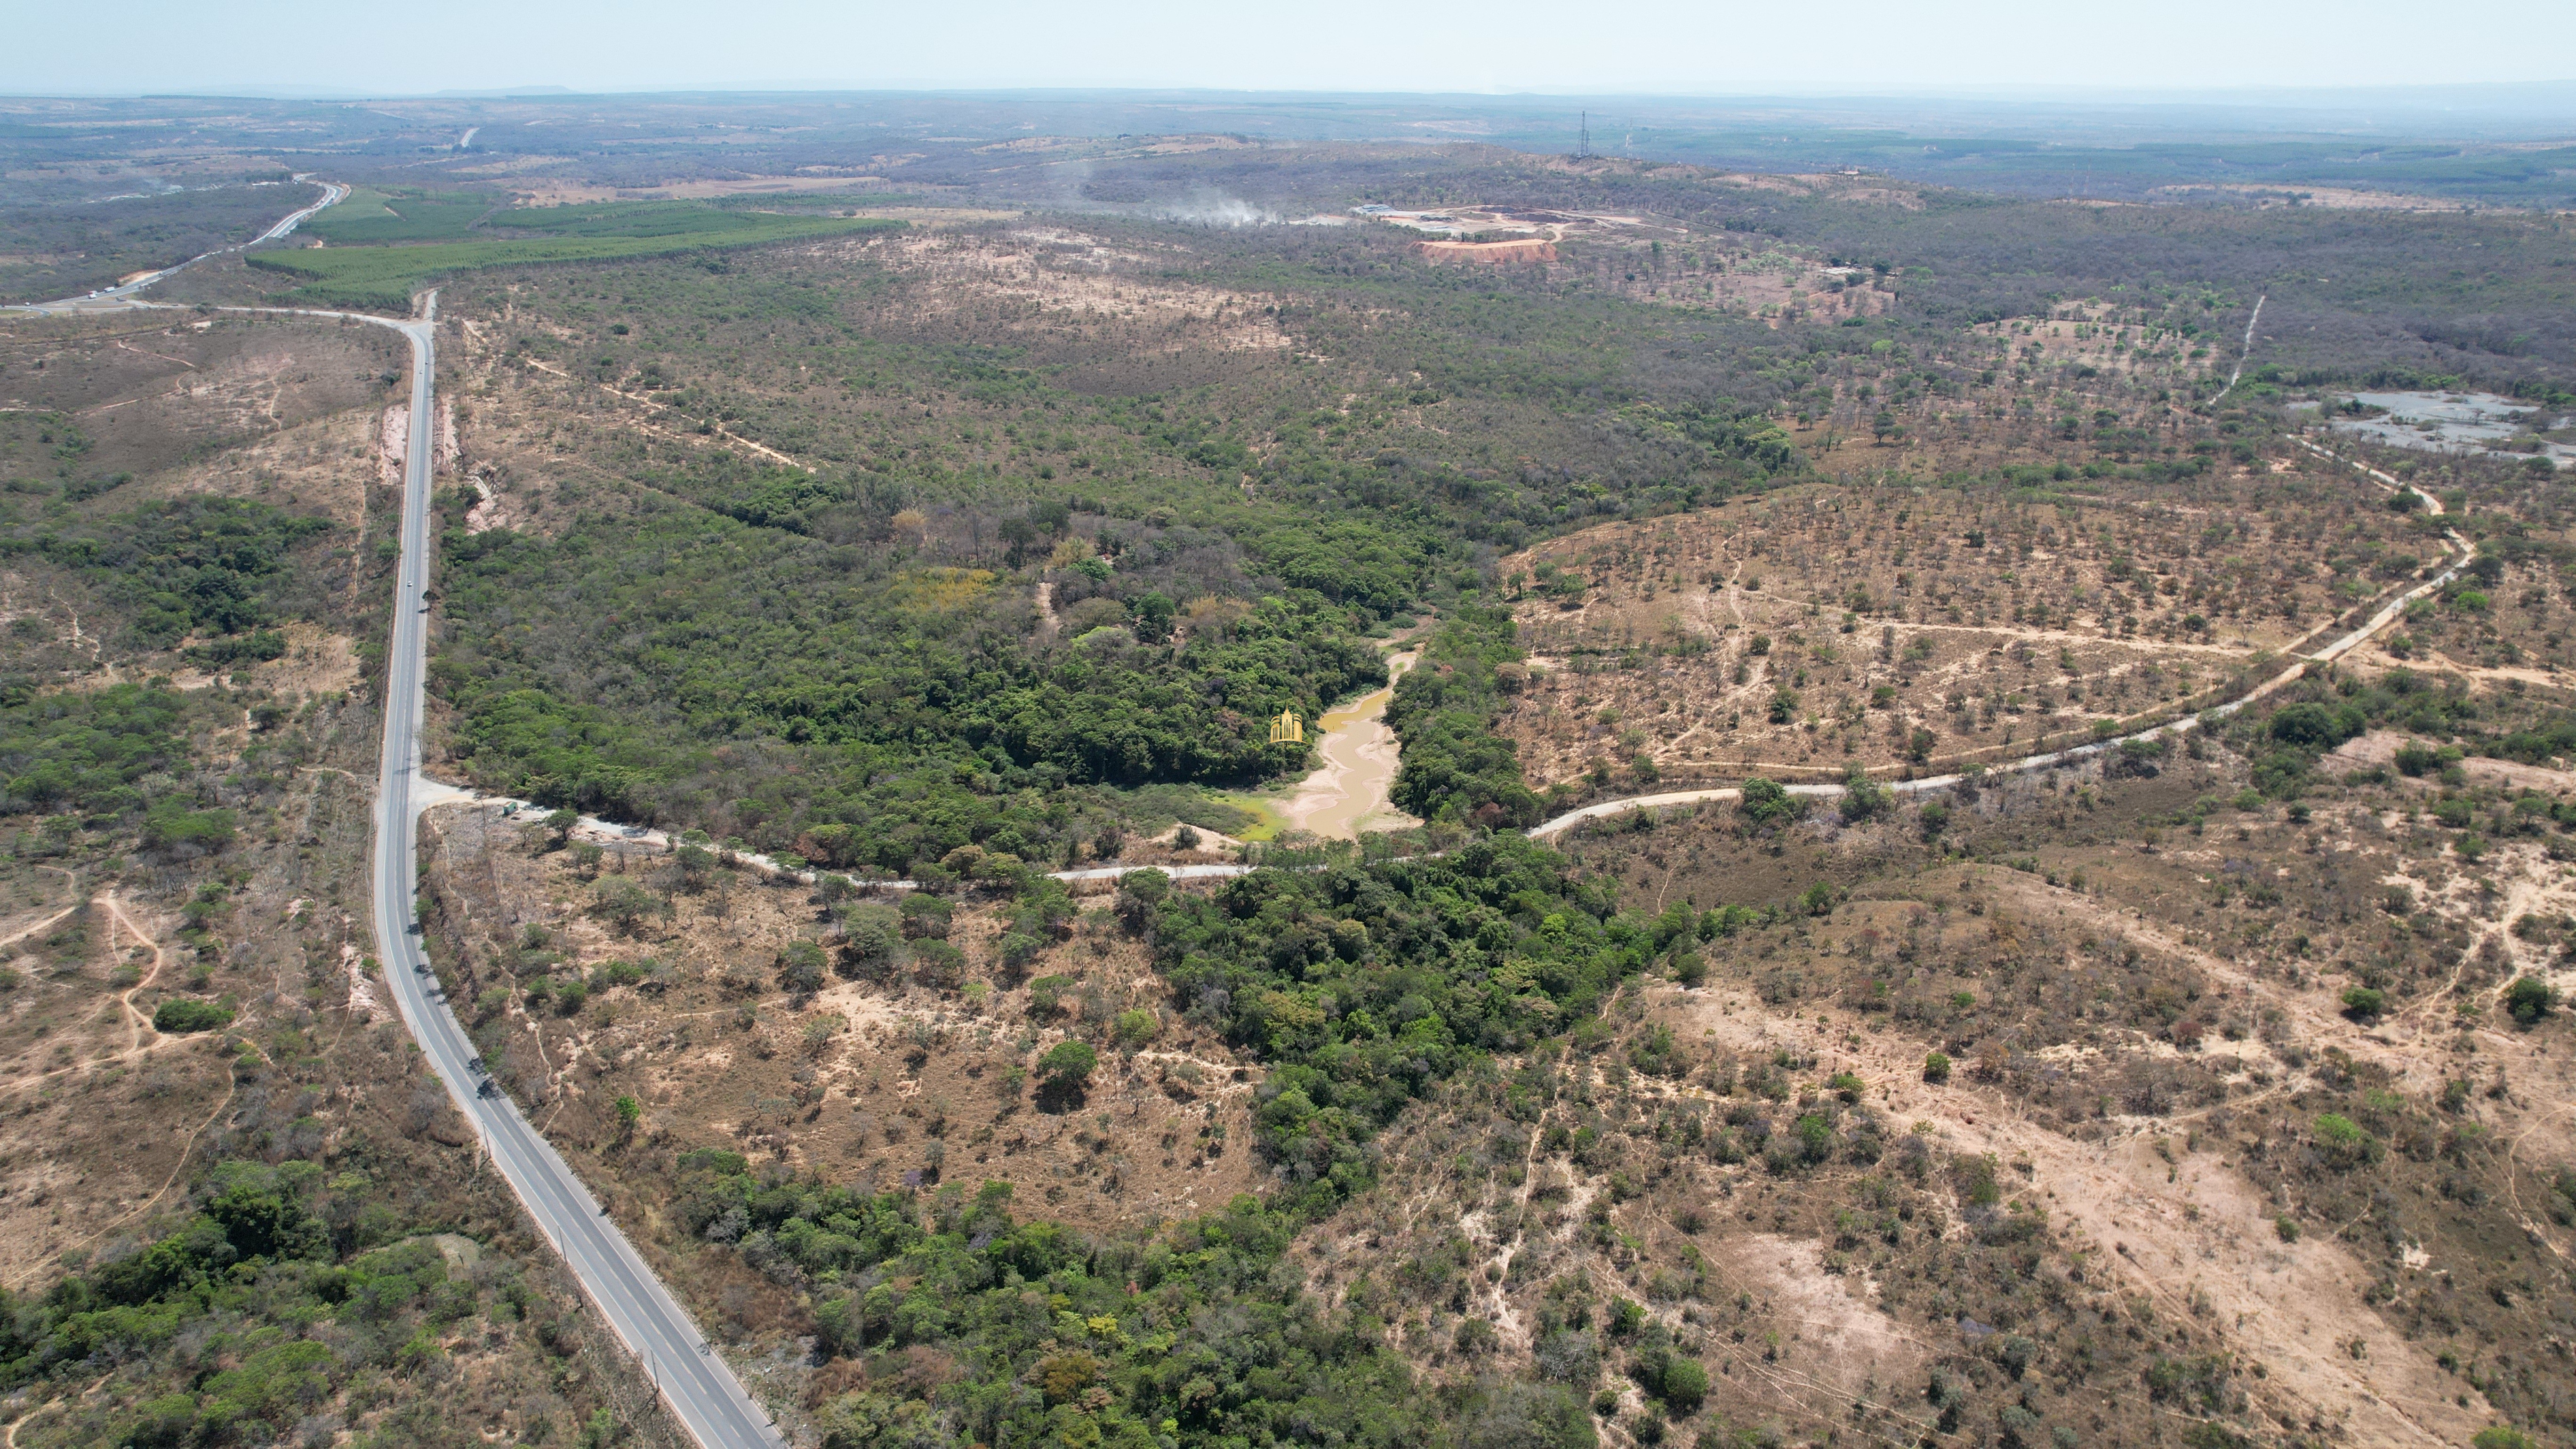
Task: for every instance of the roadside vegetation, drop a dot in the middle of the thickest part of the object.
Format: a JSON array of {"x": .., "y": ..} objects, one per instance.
[
  {"x": 380, "y": 261},
  {"x": 2203, "y": 1091}
]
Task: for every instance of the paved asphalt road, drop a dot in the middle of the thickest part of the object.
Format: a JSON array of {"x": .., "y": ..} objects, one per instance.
[
  {"x": 699, "y": 1387},
  {"x": 119, "y": 295}
]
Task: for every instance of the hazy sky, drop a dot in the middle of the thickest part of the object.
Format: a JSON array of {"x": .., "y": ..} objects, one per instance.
[{"x": 1662, "y": 46}]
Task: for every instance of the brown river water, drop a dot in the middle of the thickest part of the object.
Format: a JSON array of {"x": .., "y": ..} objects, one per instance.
[{"x": 1347, "y": 794}]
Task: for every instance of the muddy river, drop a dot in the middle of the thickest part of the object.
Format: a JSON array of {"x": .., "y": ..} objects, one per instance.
[{"x": 1347, "y": 794}]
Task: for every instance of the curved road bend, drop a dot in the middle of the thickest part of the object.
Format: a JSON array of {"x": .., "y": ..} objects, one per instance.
[
  {"x": 701, "y": 1390},
  {"x": 2387, "y": 614},
  {"x": 128, "y": 292}
]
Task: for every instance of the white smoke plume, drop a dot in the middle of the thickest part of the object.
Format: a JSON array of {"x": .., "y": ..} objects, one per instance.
[{"x": 1212, "y": 209}]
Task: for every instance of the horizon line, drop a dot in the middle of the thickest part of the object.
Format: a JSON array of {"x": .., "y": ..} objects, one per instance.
[{"x": 2093, "y": 97}]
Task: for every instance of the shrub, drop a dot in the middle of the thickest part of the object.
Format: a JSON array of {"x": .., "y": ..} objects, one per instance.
[
  {"x": 872, "y": 944},
  {"x": 1726, "y": 921},
  {"x": 622, "y": 903},
  {"x": 171, "y": 1420},
  {"x": 2286, "y": 1228},
  {"x": 186, "y": 1013},
  {"x": 1016, "y": 951},
  {"x": 1815, "y": 1137},
  {"x": 2364, "y": 1001},
  {"x": 1677, "y": 1382},
  {"x": 1137, "y": 1027},
  {"x": 1863, "y": 797},
  {"x": 1936, "y": 1068},
  {"x": 1569, "y": 1356},
  {"x": 2313, "y": 726},
  {"x": 1768, "y": 803},
  {"x": 183, "y": 834},
  {"x": 2530, "y": 999},
  {"x": 938, "y": 963},
  {"x": 925, "y": 915},
  {"x": 1046, "y": 995},
  {"x": 1626, "y": 1317},
  {"x": 1139, "y": 893},
  {"x": 2343, "y": 1143},
  {"x": 1505, "y": 1413},
  {"x": 1067, "y": 1065},
  {"x": 2200, "y": 1380},
  {"x": 1656, "y": 1054},
  {"x": 800, "y": 968}
]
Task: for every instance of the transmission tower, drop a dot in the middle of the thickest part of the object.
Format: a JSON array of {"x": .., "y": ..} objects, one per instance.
[{"x": 1583, "y": 152}]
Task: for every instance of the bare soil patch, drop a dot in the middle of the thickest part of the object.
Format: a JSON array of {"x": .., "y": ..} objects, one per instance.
[
  {"x": 1059, "y": 281},
  {"x": 148, "y": 392}
]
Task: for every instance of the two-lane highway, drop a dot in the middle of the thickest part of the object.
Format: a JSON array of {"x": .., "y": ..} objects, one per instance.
[
  {"x": 701, "y": 1390},
  {"x": 699, "y": 1387},
  {"x": 124, "y": 292}
]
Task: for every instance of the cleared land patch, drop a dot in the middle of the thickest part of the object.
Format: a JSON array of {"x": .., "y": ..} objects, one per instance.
[{"x": 1823, "y": 627}]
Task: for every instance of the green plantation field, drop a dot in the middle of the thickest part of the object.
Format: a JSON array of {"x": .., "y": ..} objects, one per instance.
[
  {"x": 369, "y": 217},
  {"x": 387, "y": 276}
]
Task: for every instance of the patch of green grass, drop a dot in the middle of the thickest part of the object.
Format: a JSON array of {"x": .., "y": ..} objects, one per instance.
[
  {"x": 1267, "y": 822},
  {"x": 386, "y": 277},
  {"x": 371, "y": 217},
  {"x": 363, "y": 203},
  {"x": 797, "y": 200},
  {"x": 636, "y": 219}
]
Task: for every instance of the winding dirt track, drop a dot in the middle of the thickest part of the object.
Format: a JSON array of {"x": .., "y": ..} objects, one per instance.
[
  {"x": 2389, "y": 612},
  {"x": 136, "y": 1023},
  {"x": 137, "y": 1026}
]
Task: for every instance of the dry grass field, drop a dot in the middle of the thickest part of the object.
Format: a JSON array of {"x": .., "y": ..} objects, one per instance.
[
  {"x": 900, "y": 1082},
  {"x": 1822, "y": 627},
  {"x": 2137, "y": 1154},
  {"x": 2211, "y": 1093}
]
